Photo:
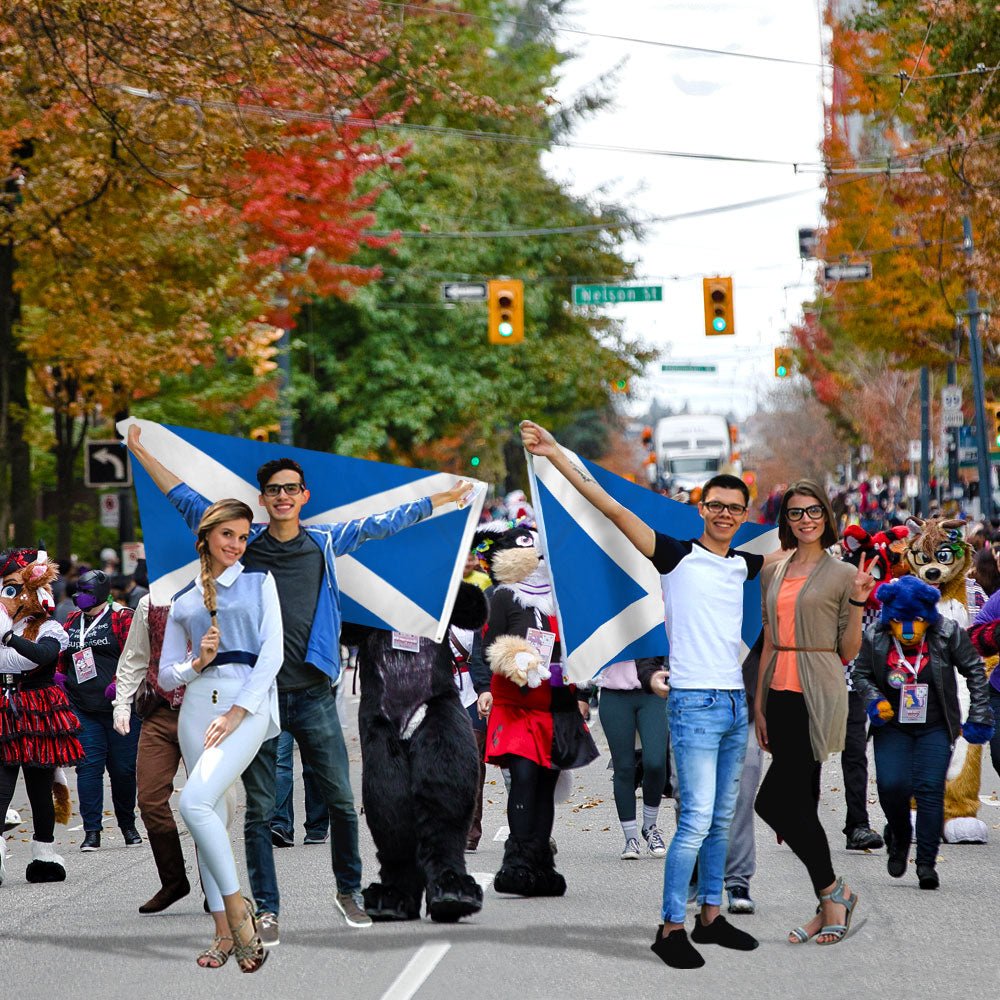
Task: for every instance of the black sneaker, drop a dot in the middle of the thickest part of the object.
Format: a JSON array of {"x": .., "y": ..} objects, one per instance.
[
  {"x": 91, "y": 841},
  {"x": 279, "y": 839},
  {"x": 740, "y": 900},
  {"x": 131, "y": 837},
  {"x": 928, "y": 877},
  {"x": 897, "y": 860},
  {"x": 864, "y": 838}
]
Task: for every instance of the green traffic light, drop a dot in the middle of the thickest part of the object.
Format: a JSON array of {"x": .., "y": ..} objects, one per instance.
[
  {"x": 474, "y": 461},
  {"x": 505, "y": 329},
  {"x": 719, "y": 324},
  {"x": 781, "y": 371}
]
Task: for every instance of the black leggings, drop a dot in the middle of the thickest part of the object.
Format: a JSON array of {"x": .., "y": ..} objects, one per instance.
[
  {"x": 38, "y": 782},
  {"x": 531, "y": 808},
  {"x": 788, "y": 800}
]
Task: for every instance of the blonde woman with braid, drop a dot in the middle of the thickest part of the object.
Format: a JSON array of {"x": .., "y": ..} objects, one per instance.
[{"x": 223, "y": 642}]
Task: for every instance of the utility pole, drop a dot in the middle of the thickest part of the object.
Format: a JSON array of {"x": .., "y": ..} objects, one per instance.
[
  {"x": 978, "y": 381},
  {"x": 953, "y": 482},
  {"x": 925, "y": 440}
]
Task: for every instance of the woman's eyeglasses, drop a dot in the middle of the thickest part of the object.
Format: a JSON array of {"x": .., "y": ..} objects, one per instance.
[
  {"x": 292, "y": 489},
  {"x": 814, "y": 512},
  {"x": 717, "y": 507}
]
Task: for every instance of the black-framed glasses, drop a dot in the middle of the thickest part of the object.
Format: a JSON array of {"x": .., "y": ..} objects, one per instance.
[
  {"x": 814, "y": 512},
  {"x": 717, "y": 507},
  {"x": 292, "y": 489}
]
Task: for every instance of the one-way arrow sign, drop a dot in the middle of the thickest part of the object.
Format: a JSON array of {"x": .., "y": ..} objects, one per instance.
[
  {"x": 464, "y": 291},
  {"x": 107, "y": 464}
]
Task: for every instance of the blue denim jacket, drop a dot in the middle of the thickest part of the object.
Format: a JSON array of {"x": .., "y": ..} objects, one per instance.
[{"x": 335, "y": 540}]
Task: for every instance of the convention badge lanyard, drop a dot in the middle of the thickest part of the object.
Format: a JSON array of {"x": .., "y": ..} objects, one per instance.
[
  {"x": 83, "y": 659},
  {"x": 912, "y": 696}
]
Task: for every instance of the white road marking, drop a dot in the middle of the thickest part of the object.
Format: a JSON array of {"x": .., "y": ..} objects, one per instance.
[
  {"x": 989, "y": 800},
  {"x": 72, "y": 829},
  {"x": 416, "y": 971},
  {"x": 502, "y": 834},
  {"x": 484, "y": 879}
]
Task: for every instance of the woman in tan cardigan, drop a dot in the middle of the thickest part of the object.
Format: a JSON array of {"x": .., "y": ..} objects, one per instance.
[{"x": 812, "y": 605}]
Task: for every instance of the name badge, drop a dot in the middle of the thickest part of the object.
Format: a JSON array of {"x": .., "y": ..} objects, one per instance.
[
  {"x": 544, "y": 643},
  {"x": 913, "y": 702},
  {"x": 84, "y": 665},
  {"x": 405, "y": 642}
]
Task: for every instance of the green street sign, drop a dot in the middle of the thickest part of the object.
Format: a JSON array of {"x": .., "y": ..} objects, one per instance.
[
  {"x": 688, "y": 368},
  {"x": 599, "y": 295}
]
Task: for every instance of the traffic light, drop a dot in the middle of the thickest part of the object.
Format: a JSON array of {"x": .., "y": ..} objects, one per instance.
[
  {"x": 620, "y": 385},
  {"x": 474, "y": 461},
  {"x": 264, "y": 433},
  {"x": 782, "y": 362},
  {"x": 992, "y": 424},
  {"x": 718, "y": 293},
  {"x": 506, "y": 309}
]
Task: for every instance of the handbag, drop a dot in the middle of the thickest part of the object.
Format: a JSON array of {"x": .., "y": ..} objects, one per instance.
[{"x": 146, "y": 700}]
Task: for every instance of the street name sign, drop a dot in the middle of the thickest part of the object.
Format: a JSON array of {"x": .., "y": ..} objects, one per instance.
[
  {"x": 463, "y": 291},
  {"x": 688, "y": 368},
  {"x": 599, "y": 295},
  {"x": 848, "y": 272}
]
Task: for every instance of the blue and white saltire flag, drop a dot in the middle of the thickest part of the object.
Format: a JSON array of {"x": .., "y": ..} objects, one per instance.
[
  {"x": 406, "y": 583},
  {"x": 609, "y": 597}
]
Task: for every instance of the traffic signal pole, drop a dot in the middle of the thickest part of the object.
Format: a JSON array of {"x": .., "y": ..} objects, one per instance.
[
  {"x": 978, "y": 382},
  {"x": 925, "y": 441}
]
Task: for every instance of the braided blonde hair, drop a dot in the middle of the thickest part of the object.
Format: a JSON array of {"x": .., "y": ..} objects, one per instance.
[{"x": 218, "y": 513}]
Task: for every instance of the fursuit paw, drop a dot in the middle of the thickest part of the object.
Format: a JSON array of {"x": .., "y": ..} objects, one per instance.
[
  {"x": 515, "y": 658},
  {"x": 977, "y": 732},
  {"x": 879, "y": 711},
  {"x": 386, "y": 902},
  {"x": 453, "y": 896}
]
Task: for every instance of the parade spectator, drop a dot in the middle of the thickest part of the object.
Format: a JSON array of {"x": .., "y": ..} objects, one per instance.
[
  {"x": 97, "y": 631},
  {"x": 137, "y": 690},
  {"x": 629, "y": 707},
  {"x": 126, "y": 591},
  {"x": 907, "y": 674},
  {"x": 812, "y": 606},
  {"x": 703, "y": 591},
  {"x": 232, "y": 617}
]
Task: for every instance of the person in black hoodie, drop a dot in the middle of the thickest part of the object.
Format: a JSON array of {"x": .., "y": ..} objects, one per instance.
[{"x": 96, "y": 636}]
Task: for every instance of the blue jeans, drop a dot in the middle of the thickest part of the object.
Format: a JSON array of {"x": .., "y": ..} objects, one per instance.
[
  {"x": 911, "y": 764},
  {"x": 708, "y": 735},
  {"x": 317, "y": 815},
  {"x": 311, "y": 718},
  {"x": 106, "y": 749}
]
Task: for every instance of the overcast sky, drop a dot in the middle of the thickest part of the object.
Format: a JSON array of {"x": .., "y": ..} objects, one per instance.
[{"x": 667, "y": 99}]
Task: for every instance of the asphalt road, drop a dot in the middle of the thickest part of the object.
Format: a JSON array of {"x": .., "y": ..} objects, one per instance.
[{"x": 85, "y": 937}]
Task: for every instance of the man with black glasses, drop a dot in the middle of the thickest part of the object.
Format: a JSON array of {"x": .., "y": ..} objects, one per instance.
[
  {"x": 702, "y": 583},
  {"x": 301, "y": 559}
]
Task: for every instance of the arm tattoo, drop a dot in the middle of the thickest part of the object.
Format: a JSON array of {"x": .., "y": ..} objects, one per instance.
[{"x": 583, "y": 475}]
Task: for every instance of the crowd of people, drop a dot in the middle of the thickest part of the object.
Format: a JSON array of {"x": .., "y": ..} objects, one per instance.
[{"x": 246, "y": 661}]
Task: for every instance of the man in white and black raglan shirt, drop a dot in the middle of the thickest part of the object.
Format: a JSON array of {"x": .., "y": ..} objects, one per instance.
[{"x": 707, "y": 708}]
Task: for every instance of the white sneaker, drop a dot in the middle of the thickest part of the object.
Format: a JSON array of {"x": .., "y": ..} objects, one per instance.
[{"x": 632, "y": 850}]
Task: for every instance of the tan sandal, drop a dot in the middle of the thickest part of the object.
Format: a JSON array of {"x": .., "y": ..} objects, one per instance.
[
  {"x": 252, "y": 952},
  {"x": 215, "y": 957}
]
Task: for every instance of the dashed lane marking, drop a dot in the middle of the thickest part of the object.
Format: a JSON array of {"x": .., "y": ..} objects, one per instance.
[
  {"x": 502, "y": 834},
  {"x": 484, "y": 879},
  {"x": 416, "y": 971}
]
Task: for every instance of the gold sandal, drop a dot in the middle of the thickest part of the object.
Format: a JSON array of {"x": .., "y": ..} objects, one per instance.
[
  {"x": 253, "y": 952},
  {"x": 215, "y": 957}
]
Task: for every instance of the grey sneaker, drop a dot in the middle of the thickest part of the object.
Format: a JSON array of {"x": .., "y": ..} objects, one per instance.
[
  {"x": 654, "y": 841},
  {"x": 352, "y": 906},
  {"x": 632, "y": 850},
  {"x": 267, "y": 928}
]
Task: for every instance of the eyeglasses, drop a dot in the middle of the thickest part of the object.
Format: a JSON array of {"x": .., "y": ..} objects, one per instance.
[
  {"x": 292, "y": 489},
  {"x": 814, "y": 512},
  {"x": 717, "y": 507}
]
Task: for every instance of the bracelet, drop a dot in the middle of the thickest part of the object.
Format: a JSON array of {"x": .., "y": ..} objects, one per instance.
[
  {"x": 857, "y": 604},
  {"x": 7, "y": 636}
]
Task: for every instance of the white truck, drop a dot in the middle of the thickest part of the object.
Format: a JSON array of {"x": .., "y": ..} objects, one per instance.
[{"x": 692, "y": 448}]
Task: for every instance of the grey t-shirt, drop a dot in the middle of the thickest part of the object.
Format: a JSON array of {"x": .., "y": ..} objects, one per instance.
[{"x": 297, "y": 568}]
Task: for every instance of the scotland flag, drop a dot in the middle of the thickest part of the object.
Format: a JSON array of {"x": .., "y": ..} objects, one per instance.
[
  {"x": 406, "y": 583},
  {"x": 609, "y": 597}
]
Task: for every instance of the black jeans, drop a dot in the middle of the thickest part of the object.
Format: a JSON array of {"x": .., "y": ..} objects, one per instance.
[
  {"x": 788, "y": 800},
  {"x": 854, "y": 762},
  {"x": 995, "y": 741}
]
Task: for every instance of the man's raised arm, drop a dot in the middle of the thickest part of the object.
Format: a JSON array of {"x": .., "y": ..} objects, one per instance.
[
  {"x": 158, "y": 472},
  {"x": 538, "y": 441}
]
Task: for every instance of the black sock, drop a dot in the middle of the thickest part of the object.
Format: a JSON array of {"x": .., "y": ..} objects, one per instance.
[
  {"x": 723, "y": 933},
  {"x": 676, "y": 950}
]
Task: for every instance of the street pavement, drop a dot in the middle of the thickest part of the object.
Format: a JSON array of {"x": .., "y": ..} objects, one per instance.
[{"x": 85, "y": 938}]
